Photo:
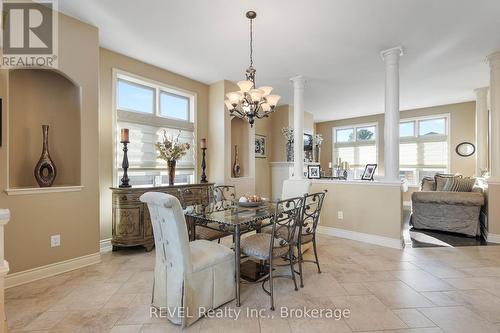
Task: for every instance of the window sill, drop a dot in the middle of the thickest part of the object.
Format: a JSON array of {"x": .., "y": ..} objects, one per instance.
[{"x": 42, "y": 190}]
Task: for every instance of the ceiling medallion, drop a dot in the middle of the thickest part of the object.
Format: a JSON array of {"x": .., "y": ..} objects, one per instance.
[{"x": 250, "y": 103}]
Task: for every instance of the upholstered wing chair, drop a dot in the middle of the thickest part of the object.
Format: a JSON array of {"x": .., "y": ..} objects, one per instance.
[{"x": 189, "y": 276}]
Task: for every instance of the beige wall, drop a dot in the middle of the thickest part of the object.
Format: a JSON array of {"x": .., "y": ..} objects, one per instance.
[
  {"x": 73, "y": 215},
  {"x": 462, "y": 121},
  {"x": 42, "y": 97},
  {"x": 108, "y": 61},
  {"x": 367, "y": 208}
]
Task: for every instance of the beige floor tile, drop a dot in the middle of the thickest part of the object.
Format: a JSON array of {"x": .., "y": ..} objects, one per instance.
[
  {"x": 45, "y": 321},
  {"x": 458, "y": 320},
  {"x": 319, "y": 326},
  {"x": 368, "y": 313},
  {"x": 413, "y": 318},
  {"x": 356, "y": 289},
  {"x": 422, "y": 281},
  {"x": 274, "y": 325},
  {"x": 396, "y": 294},
  {"x": 126, "y": 329}
]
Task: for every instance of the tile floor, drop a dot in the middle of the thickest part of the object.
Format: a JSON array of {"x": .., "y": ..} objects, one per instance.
[{"x": 419, "y": 290}]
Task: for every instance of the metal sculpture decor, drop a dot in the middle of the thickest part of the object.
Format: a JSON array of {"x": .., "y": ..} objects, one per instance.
[
  {"x": 45, "y": 169},
  {"x": 125, "y": 141},
  {"x": 250, "y": 103}
]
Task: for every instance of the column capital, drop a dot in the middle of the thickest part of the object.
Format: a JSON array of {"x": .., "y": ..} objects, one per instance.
[
  {"x": 392, "y": 54},
  {"x": 494, "y": 59},
  {"x": 299, "y": 81}
]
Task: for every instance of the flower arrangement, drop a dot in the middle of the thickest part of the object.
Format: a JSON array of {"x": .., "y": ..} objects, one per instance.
[
  {"x": 287, "y": 133},
  {"x": 319, "y": 139},
  {"x": 171, "y": 149}
]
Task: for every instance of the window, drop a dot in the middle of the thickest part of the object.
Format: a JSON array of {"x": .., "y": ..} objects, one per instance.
[
  {"x": 423, "y": 148},
  {"x": 148, "y": 109},
  {"x": 358, "y": 150},
  {"x": 174, "y": 106}
]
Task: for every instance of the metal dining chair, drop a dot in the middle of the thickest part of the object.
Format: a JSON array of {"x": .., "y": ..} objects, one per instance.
[
  {"x": 224, "y": 197},
  {"x": 200, "y": 198},
  {"x": 278, "y": 244},
  {"x": 307, "y": 228}
]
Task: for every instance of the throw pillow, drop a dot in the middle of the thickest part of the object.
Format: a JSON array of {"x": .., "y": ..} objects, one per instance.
[
  {"x": 442, "y": 178},
  {"x": 459, "y": 184},
  {"x": 428, "y": 184}
]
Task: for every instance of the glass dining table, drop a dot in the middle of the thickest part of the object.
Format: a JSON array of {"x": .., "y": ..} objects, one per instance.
[{"x": 235, "y": 220}]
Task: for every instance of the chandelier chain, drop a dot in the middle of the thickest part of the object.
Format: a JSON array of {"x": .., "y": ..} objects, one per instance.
[{"x": 251, "y": 42}]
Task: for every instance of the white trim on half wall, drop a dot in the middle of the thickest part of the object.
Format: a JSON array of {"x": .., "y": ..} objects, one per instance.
[
  {"x": 30, "y": 275},
  {"x": 362, "y": 237}
]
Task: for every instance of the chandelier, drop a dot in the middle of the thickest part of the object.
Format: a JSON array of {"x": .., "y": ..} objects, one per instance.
[{"x": 249, "y": 102}]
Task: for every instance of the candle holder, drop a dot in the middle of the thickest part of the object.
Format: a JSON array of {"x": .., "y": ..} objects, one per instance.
[
  {"x": 203, "y": 167},
  {"x": 125, "y": 179}
]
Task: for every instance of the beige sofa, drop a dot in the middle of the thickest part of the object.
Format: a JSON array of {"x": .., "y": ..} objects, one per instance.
[{"x": 456, "y": 212}]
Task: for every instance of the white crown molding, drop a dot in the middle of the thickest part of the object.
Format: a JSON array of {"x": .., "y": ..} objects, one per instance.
[
  {"x": 42, "y": 190},
  {"x": 105, "y": 245},
  {"x": 362, "y": 237},
  {"x": 30, "y": 275}
]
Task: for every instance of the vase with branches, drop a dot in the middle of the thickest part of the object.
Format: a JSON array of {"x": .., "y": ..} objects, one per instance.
[
  {"x": 170, "y": 150},
  {"x": 287, "y": 132}
]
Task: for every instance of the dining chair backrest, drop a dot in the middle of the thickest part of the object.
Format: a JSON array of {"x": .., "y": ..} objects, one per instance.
[
  {"x": 224, "y": 197},
  {"x": 295, "y": 188},
  {"x": 285, "y": 223},
  {"x": 170, "y": 233},
  {"x": 195, "y": 196},
  {"x": 311, "y": 212}
]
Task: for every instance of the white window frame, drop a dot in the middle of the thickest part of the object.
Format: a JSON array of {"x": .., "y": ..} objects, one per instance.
[
  {"x": 416, "y": 138},
  {"x": 356, "y": 143},
  {"x": 154, "y": 119}
]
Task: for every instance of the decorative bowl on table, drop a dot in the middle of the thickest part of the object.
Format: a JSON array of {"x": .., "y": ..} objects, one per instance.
[{"x": 250, "y": 201}]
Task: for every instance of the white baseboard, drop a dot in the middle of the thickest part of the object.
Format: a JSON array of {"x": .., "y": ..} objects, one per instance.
[
  {"x": 362, "y": 237},
  {"x": 492, "y": 238},
  {"x": 105, "y": 245},
  {"x": 16, "y": 279}
]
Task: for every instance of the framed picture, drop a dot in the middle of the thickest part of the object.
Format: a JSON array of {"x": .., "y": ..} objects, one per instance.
[
  {"x": 313, "y": 172},
  {"x": 260, "y": 146},
  {"x": 369, "y": 172}
]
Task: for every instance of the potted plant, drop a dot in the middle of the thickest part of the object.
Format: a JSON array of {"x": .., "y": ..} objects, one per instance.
[{"x": 171, "y": 149}]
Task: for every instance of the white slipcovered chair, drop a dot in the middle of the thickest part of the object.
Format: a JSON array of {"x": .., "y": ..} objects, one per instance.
[
  {"x": 188, "y": 275},
  {"x": 293, "y": 188}
]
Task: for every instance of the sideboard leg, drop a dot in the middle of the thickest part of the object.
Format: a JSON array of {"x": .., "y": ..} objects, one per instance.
[{"x": 149, "y": 247}]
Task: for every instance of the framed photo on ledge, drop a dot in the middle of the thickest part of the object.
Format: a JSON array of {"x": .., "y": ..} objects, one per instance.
[
  {"x": 369, "y": 172},
  {"x": 260, "y": 146},
  {"x": 313, "y": 172}
]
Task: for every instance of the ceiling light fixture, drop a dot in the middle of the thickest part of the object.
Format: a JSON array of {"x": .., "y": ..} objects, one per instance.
[{"x": 249, "y": 102}]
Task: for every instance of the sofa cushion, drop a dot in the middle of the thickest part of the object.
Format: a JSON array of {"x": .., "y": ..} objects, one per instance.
[
  {"x": 459, "y": 184},
  {"x": 442, "y": 178}
]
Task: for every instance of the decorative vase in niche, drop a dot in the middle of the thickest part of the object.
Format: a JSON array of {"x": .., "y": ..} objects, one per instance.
[
  {"x": 236, "y": 165},
  {"x": 289, "y": 151},
  {"x": 171, "y": 172},
  {"x": 45, "y": 170}
]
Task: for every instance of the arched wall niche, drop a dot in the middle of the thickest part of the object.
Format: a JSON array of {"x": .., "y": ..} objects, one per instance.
[
  {"x": 240, "y": 137},
  {"x": 44, "y": 97}
]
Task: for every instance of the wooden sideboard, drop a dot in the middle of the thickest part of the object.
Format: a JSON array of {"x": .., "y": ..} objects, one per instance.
[{"x": 131, "y": 223}]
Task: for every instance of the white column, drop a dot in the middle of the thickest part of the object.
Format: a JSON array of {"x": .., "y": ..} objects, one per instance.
[
  {"x": 494, "y": 61},
  {"x": 391, "y": 124},
  {"x": 298, "y": 126},
  {"x": 481, "y": 130}
]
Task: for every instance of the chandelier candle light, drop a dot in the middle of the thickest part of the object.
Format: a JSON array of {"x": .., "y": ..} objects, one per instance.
[{"x": 249, "y": 102}]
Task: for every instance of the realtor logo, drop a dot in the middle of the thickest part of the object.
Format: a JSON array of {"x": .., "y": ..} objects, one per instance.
[{"x": 29, "y": 34}]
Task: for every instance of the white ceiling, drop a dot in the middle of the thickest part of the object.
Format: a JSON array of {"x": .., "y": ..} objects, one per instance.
[{"x": 335, "y": 44}]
